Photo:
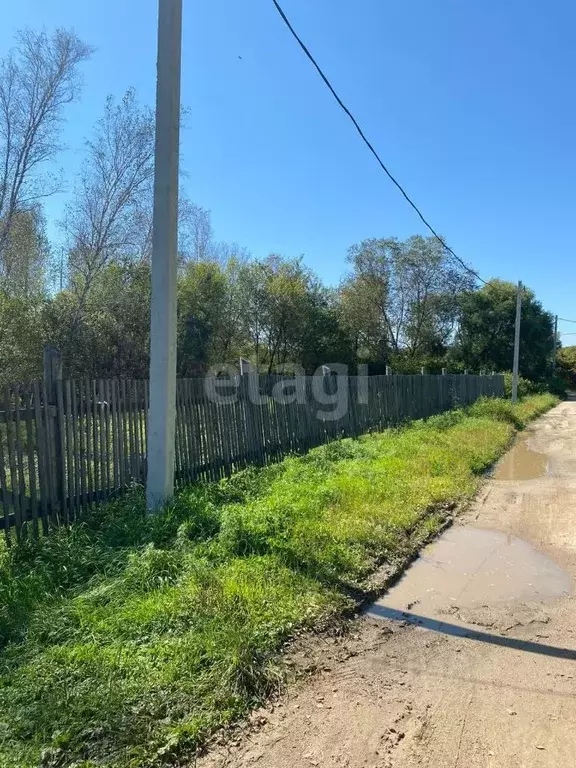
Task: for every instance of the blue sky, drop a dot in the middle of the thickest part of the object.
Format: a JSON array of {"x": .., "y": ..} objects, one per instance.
[{"x": 469, "y": 102}]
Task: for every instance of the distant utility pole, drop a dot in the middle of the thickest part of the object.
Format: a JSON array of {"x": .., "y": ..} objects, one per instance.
[
  {"x": 554, "y": 348},
  {"x": 162, "y": 414},
  {"x": 517, "y": 343}
]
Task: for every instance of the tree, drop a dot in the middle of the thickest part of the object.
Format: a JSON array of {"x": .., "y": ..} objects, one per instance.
[
  {"x": 21, "y": 335},
  {"x": 291, "y": 316},
  {"x": 112, "y": 336},
  {"x": 279, "y": 307},
  {"x": 566, "y": 365},
  {"x": 194, "y": 232},
  {"x": 400, "y": 298},
  {"x": 26, "y": 254},
  {"x": 38, "y": 78},
  {"x": 108, "y": 219},
  {"x": 202, "y": 292},
  {"x": 485, "y": 338}
]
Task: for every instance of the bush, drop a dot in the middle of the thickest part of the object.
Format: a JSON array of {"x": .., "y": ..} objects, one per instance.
[
  {"x": 553, "y": 384},
  {"x": 556, "y": 385},
  {"x": 518, "y": 414},
  {"x": 525, "y": 386}
]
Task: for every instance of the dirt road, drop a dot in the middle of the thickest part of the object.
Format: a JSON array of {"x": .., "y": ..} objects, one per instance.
[{"x": 471, "y": 659}]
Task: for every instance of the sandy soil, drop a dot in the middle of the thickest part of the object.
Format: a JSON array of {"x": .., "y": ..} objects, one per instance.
[{"x": 470, "y": 660}]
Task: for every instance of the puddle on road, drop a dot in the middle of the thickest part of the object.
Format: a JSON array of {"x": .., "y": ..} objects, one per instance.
[
  {"x": 521, "y": 463},
  {"x": 470, "y": 567}
]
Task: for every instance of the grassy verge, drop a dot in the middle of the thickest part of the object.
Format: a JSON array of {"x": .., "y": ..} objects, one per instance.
[{"x": 129, "y": 638}]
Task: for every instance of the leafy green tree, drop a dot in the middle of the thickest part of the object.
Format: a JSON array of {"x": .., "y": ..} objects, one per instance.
[
  {"x": 292, "y": 317},
  {"x": 202, "y": 290},
  {"x": 400, "y": 300},
  {"x": 110, "y": 337},
  {"x": 566, "y": 365},
  {"x": 26, "y": 254},
  {"x": 486, "y": 334},
  {"x": 21, "y": 338}
]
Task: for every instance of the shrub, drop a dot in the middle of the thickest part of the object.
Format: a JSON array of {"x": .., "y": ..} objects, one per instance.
[
  {"x": 525, "y": 386},
  {"x": 553, "y": 384},
  {"x": 518, "y": 414}
]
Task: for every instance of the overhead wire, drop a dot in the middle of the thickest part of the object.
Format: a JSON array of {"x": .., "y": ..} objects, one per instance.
[{"x": 370, "y": 146}]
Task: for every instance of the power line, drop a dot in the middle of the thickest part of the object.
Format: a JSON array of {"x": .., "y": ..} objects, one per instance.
[
  {"x": 369, "y": 145},
  {"x": 564, "y": 320}
]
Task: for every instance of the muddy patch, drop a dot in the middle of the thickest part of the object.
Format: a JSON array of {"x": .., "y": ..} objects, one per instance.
[
  {"x": 474, "y": 567},
  {"x": 521, "y": 463}
]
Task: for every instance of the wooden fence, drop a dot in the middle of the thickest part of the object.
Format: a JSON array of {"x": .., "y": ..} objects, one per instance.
[{"x": 66, "y": 445}]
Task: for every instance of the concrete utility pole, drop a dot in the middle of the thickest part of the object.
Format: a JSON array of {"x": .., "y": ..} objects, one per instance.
[
  {"x": 554, "y": 348},
  {"x": 162, "y": 414},
  {"x": 517, "y": 343}
]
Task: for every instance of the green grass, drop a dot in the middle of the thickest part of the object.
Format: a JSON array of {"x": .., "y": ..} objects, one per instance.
[{"x": 129, "y": 638}]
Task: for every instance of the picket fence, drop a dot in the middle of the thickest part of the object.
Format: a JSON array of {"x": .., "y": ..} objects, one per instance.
[{"x": 67, "y": 445}]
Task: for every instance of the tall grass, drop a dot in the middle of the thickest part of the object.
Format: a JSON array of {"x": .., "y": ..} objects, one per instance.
[{"x": 129, "y": 638}]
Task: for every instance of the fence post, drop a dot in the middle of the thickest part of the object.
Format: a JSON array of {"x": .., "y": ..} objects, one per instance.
[
  {"x": 444, "y": 371},
  {"x": 388, "y": 371},
  {"x": 249, "y": 384},
  {"x": 52, "y": 371},
  {"x": 52, "y": 380}
]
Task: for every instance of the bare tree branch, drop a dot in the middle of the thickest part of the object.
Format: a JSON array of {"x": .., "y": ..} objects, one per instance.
[
  {"x": 107, "y": 219},
  {"x": 38, "y": 78}
]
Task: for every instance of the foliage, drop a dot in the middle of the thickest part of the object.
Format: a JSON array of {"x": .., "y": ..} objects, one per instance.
[
  {"x": 26, "y": 255},
  {"x": 406, "y": 304},
  {"x": 519, "y": 414},
  {"x": 552, "y": 384},
  {"x": 21, "y": 335},
  {"x": 110, "y": 336},
  {"x": 130, "y": 637},
  {"x": 486, "y": 331},
  {"x": 525, "y": 386},
  {"x": 400, "y": 296},
  {"x": 566, "y": 363},
  {"x": 210, "y": 299}
]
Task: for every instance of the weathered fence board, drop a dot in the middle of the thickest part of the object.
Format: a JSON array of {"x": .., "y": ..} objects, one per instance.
[{"x": 66, "y": 445}]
